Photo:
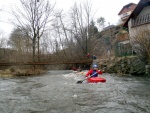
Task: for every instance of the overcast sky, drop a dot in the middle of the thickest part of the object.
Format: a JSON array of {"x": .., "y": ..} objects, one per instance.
[{"x": 108, "y": 9}]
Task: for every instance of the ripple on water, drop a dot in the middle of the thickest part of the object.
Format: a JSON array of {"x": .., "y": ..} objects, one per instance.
[{"x": 57, "y": 92}]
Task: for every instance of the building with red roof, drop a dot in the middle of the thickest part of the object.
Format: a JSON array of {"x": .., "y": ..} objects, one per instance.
[{"x": 126, "y": 11}]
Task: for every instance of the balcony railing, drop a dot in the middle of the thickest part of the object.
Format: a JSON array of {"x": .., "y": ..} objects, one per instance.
[{"x": 141, "y": 20}]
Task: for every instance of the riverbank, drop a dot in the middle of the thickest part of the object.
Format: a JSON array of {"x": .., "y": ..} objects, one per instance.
[
  {"x": 10, "y": 72},
  {"x": 130, "y": 65}
]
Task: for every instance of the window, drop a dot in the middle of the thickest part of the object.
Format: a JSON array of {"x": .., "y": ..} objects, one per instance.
[
  {"x": 125, "y": 14},
  {"x": 128, "y": 7}
]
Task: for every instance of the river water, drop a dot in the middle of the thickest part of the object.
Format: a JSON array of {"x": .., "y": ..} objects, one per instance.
[{"x": 57, "y": 92}]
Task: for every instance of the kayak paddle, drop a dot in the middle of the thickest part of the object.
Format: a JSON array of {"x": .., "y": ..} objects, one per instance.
[{"x": 79, "y": 82}]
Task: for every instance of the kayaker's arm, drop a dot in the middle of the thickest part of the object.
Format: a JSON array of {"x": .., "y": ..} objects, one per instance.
[
  {"x": 88, "y": 73},
  {"x": 100, "y": 72}
]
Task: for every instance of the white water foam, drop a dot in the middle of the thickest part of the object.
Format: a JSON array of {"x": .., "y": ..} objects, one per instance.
[{"x": 76, "y": 75}]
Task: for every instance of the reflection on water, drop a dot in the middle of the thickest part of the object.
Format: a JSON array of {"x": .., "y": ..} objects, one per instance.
[{"x": 57, "y": 92}]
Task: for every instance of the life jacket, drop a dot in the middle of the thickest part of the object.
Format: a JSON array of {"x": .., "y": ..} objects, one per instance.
[{"x": 94, "y": 73}]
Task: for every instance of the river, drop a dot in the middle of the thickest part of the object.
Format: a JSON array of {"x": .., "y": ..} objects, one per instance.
[{"x": 57, "y": 92}]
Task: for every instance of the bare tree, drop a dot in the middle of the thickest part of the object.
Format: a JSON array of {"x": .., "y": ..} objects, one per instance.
[
  {"x": 60, "y": 32},
  {"x": 3, "y": 41},
  {"x": 141, "y": 44},
  {"x": 36, "y": 16},
  {"x": 81, "y": 16}
]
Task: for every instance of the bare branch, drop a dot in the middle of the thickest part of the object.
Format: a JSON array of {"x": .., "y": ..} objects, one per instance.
[{"x": 141, "y": 44}]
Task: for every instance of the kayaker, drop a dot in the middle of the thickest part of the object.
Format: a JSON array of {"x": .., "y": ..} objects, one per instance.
[
  {"x": 94, "y": 57},
  {"x": 94, "y": 71},
  {"x": 88, "y": 55}
]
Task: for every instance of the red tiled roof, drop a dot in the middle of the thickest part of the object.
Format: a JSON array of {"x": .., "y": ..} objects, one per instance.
[{"x": 128, "y": 7}]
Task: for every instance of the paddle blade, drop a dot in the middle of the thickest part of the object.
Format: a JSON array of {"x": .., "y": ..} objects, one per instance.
[{"x": 79, "y": 82}]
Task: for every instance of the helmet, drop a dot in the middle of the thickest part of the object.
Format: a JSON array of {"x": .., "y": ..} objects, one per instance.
[{"x": 95, "y": 66}]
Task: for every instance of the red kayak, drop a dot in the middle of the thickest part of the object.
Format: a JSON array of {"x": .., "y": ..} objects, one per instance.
[{"x": 96, "y": 80}]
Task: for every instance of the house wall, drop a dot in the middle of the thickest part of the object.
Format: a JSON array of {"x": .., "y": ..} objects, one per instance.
[
  {"x": 133, "y": 31},
  {"x": 145, "y": 10}
]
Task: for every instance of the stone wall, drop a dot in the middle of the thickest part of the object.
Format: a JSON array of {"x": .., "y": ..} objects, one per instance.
[{"x": 125, "y": 66}]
